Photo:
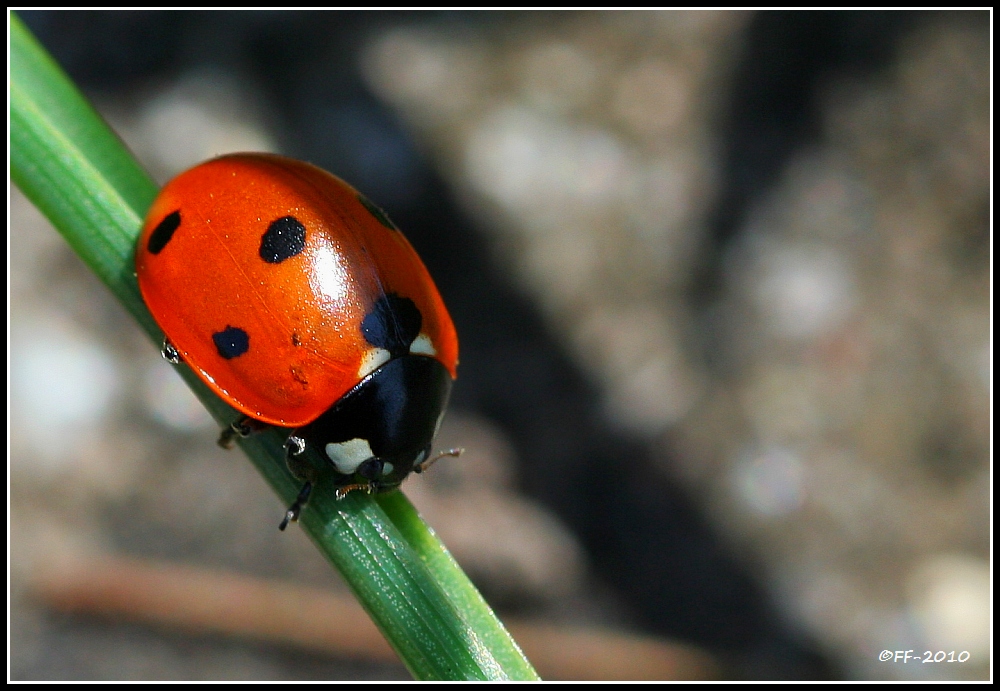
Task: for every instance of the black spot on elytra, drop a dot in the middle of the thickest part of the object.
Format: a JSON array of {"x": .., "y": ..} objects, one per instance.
[
  {"x": 283, "y": 239},
  {"x": 231, "y": 342},
  {"x": 379, "y": 215},
  {"x": 161, "y": 235},
  {"x": 393, "y": 323}
]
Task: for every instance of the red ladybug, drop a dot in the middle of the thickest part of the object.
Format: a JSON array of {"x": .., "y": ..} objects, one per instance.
[{"x": 302, "y": 305}]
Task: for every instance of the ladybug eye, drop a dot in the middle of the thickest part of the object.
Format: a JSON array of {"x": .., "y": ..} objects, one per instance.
[{"x": 371, "y": 469}]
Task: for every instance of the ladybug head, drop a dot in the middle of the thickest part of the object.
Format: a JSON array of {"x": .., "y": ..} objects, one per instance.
[{"x": 382, "y": 429}]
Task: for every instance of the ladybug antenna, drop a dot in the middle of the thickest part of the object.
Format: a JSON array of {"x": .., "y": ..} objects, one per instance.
[{"x": 425, "y": 464}]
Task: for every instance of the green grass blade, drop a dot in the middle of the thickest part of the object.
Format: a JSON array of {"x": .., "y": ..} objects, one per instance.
[
  {"x": 450, "y": 575},
  {"x": 80, "y": 175}
]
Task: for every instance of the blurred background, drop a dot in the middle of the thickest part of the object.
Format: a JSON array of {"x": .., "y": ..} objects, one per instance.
[{"x": 722, "y": 287}]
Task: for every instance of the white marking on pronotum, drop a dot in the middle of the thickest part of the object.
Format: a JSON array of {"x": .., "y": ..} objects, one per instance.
[
  {"x": 373, "y": 359},
  {"x": 348, "y": 455},
  {"x": 387, "y": 468},
  {"x": 422, "y": 346}
]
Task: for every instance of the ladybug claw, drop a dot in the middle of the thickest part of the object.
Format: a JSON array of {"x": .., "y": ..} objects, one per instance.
[
  {"x": 227, "y": 436},
  {"x": 292, "y": 515}
]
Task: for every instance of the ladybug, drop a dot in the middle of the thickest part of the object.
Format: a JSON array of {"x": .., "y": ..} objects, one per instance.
[{"x": 304, "y": 307}]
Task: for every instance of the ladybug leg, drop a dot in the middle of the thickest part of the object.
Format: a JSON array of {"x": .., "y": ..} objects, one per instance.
[
  {"x": 243, "y": 427},
  {"x": 355, "y": 487},
  {"x": 298, "y": 466},
  {"x": 169, "y": 352},
  {"x": 371, "y": 470},
  {"x": 425, "y": 464},
  {"x": 292, "y": 515},
  {"x": 295, "y": 447}
]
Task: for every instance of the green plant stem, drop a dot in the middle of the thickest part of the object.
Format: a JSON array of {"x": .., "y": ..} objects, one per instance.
[{"x": 79, "y": 174}]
